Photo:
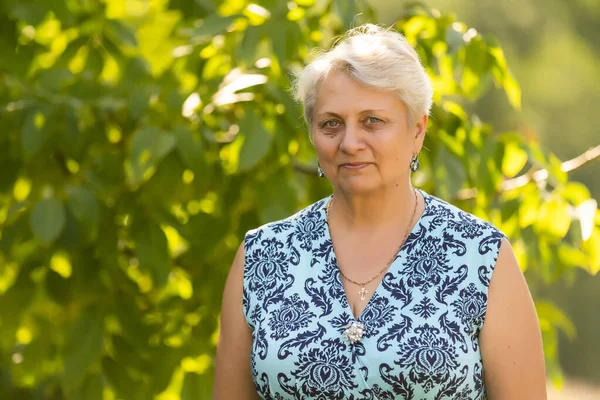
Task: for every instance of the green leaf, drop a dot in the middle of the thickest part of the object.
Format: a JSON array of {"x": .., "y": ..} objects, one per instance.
[
  {"x": 149, "y": 146},
  {"x": 84, "y": 206},
  {"x": 247, "y": 48},
  {"x": 554, "y": 218},
  {"x": 92, "y": 388},
  {"x": 556, "y": 318},
  {"x": 256, "y": 140},
  {"x": 60, "y": 8},
  {"x": 572, "y": 256},
  {"x": 127, "y": 354},
  {"x": 122, "y": 33},
  {"x": 190, "y": 148},
  {"x": 15, "y": 303},
  {"x": 48, "y": 220},
  {"x": 85, "y": 346},
  {"x": 34, "y": 133},
  {"x": 151, "y": 248},
  {"x": 279, "y": 200},
  {"x": 555, "y": 169},
  {"x": 514, "y": 160},
  {"x": 277, "y": 32},
  {"x": 574, "y": 192},
  {"x": 449, "y": 173},
  {"x": 139, "y": 101},
  {"x": 513, "y": 91},
  {"x": 213, "y": 25},
  {"x": 195, "y": 387},
  {"x": 120, "y": 379},
  {"x": 592, "y": 249}
]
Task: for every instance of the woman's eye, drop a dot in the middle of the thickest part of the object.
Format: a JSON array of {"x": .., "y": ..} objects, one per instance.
[
  {"x": 330, "y": 124},
  {"x": 373, "y": 120}
]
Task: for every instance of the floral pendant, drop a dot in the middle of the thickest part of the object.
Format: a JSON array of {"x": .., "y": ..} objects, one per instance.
[{"x": 354, "y": 332}]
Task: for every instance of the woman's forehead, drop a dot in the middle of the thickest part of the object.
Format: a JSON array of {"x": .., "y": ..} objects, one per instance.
[{"x": 340, "y": 93}]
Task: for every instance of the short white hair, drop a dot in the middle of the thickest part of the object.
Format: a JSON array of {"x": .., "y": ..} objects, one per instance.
[{"x": 376, "y": 57}]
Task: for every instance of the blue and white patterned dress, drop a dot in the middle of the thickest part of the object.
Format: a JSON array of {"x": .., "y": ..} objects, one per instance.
[{"x": 421, "y": 324}]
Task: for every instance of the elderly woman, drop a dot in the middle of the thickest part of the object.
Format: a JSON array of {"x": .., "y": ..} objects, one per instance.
[{"x": 381, "y": 290}]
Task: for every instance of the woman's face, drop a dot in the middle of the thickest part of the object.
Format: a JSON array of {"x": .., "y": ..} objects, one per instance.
[{"x": 363, "y": 137}]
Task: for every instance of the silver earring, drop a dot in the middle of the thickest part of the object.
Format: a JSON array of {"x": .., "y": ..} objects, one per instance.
[
  {"x": 414, "y": 164},
  {"x": 320, "y": 171}
]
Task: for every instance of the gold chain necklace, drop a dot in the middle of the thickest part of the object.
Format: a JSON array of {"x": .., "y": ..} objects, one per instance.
[{"x": 363, "y": 290}]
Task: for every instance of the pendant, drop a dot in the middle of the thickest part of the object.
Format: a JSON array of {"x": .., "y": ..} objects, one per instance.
[
  {"x": 354, "y": 332},
  {"x": 363, "y": 292}
]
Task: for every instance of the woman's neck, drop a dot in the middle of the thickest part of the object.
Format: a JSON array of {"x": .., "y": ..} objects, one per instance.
[{"x": 371, "y": 212}]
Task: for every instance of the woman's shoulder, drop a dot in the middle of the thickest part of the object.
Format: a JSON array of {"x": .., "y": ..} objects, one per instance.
[
  {"x": 313, "y": 213},
  {"x": 455, "y": 218}
]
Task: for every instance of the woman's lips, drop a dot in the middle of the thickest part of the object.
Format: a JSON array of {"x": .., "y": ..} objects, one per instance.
[{"x": 355, "y": 166}]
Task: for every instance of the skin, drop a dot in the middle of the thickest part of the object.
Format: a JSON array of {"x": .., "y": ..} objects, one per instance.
[{"x": 372, "y": 207}]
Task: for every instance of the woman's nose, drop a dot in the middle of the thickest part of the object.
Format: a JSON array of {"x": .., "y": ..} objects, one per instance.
[{"x": 352, "y": 139}]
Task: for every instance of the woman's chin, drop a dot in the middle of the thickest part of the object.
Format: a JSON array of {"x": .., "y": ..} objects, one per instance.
[{"x": 359, "y": 186}]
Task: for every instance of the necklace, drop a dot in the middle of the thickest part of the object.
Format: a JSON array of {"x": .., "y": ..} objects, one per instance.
[{"x": 363, "y": 290}]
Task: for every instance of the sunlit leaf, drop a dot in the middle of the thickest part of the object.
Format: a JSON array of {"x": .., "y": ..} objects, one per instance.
[
  {"x": 574, "y": 192},
  {"x": 514, "y": 160},
  {"x": 48, "y": 220},
  {"x": 554, "y": 218},
  {"x": 513, "y": 91}
]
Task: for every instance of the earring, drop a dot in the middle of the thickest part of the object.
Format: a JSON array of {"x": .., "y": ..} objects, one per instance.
[
  {"x": 320, "y": 171},
  {"x": 414, "y": 164}
]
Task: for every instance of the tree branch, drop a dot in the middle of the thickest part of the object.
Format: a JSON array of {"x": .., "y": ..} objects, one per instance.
[
  {"x": 304, "y": 168},
  {"x": 537, "y": 175}
]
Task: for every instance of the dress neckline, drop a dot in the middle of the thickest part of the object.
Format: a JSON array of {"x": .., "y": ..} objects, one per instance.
[{"x": 388, "y": 274}]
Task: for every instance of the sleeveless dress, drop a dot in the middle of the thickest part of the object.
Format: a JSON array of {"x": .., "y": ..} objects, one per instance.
[{"x": 421, "y": 325}]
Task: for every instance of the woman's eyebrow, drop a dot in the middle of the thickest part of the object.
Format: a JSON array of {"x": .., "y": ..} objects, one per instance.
[
  {"x": 330, "y": 113},
  {"x": 334, "y": 114}
]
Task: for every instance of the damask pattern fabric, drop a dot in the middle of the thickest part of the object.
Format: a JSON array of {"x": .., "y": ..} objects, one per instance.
[{"x": 421, "y": 325}]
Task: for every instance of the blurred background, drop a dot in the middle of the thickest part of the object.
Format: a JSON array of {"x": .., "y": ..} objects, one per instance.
[{"x": 141, "y": 139}]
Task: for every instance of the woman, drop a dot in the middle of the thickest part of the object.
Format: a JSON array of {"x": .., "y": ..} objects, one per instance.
[{"x": 379, "y": 291}]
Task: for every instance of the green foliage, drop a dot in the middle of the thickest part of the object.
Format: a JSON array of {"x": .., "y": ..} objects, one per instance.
[{"x": 141, "y": 140}]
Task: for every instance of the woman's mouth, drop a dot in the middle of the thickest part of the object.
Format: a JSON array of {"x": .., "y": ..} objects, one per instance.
[{"x": 354, "y": 166}]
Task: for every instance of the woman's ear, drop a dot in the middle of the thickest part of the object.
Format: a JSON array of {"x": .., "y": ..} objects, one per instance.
[{"x": 421, "y": 126}]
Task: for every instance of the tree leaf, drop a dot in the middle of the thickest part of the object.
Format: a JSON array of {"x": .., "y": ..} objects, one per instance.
[
  {"x": 513, "y": 90},
  {"x": 92, "y": 388},
  {"x": 190, "y": 148},
  {"x": 149, "y": 146},
  {"x": 120, "y": 379},
  {"x": 556, "y": 317},
  {"x": 151, "y": 248},
  {"x": 122, "y": 33},
  {"x": 514, "y": 160},
  {"x": 554, "y": 218},
  {"x": 194, "y": 387},
  {"x": 256, "y": 140},
  {"x": 34, "y": 133},
  {"x": 213, "y": 25},
  {"x": 85, "y": 346},
  {"x": 449, "y": 173},
  {"x": 84, "y": 206},
  {"x": 48, "y": 220}
]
